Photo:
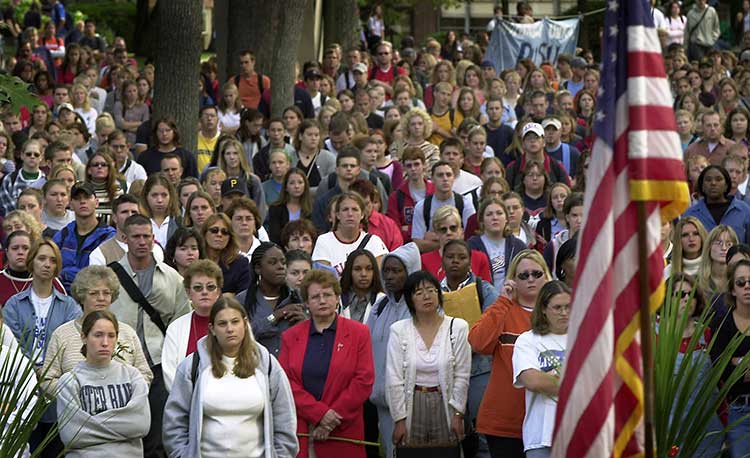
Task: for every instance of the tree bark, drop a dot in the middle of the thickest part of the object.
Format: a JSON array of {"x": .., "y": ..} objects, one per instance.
[
  {"x": 285, "y": 36},
  {"x": 177, "y": 58},
  {"x": 341, "y": 23}
]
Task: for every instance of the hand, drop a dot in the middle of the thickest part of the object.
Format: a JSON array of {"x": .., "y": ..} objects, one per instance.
[
  {"x": 320, "y": 433},
  {"x": 331, "y": 420},
  {"x": 457, "y": 426},
  {"x": 286, "y": 311},
  {"x": 399, "y": 432},
  {"x": 295, "y": 317},
  {"x": 431, "y": 236},
  {"x": 508, "y": 287}
]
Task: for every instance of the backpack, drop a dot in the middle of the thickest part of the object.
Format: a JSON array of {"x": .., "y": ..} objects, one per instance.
[
  {"x": 458, "y": 201},
  {"x": 260, "y": 82},
  {"x": 451, "y": 114},
  {"x": 566, "y": 156},
  {"x": 197, "y": 360}
]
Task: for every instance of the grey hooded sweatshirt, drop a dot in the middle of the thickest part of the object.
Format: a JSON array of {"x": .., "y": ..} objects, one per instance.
[
  {"x": 103, "y": 411},
  {"x": 183, "y": 414},
  {"x": 384, "y": 314}
]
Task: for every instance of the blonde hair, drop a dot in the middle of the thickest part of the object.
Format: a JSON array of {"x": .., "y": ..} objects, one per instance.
[
  {"x": 677, "y": 239},
  {"x": 704, "y": 271},
  {"x": 531, "y": 255},
  {"x": 406, "y": 119},
  {"x": 33, "y": 227},
  {"x": 86, "y": 102}
]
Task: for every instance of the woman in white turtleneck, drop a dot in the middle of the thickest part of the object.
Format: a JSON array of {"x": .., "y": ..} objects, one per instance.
[{"x": 687, "y": 243}]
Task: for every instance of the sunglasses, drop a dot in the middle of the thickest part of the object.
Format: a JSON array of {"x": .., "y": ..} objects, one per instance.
[
  {"x": 741, "y": 282},
  {"x": 216, "y": 230},
  {"x": 681, "y": 294},
  {"x": 199, "y": 288},
  {"x": 33, "y": 154},
  {"x": 446, "y": 229},
  {"x": 98, "y": 165},
  {"x": 537, "y": 274}
]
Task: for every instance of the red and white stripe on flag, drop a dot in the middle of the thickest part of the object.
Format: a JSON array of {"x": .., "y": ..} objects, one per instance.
[{"x": 636, "y": 157}]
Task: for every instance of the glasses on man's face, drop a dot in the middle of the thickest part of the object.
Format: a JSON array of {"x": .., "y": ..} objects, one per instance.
[
  {"x": 32, "y": 154},
  {"x": 198, "y": 287},
  {"x": 217, "y": 230},
  {"x": 537, "y": 274}
]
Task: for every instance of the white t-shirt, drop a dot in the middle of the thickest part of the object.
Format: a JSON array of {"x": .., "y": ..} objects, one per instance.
[
  {"x": 496, "y": 254},
  {"x": 41, "y": 310},
  {"x": 544, "y": 353},
  {"x": 232, "y": 425},
  {"x": 420, "y": 226},
  {"x": 332, "y": 250},
  {"x": 466, "y": 182},
  {"x": 229, "y": 121}
]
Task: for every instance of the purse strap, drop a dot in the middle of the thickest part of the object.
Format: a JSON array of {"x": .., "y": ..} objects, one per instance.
[{"x": 135, "y": 293}]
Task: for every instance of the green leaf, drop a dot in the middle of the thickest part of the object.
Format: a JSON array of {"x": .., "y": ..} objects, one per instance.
[{"x": 15, "y": 93}]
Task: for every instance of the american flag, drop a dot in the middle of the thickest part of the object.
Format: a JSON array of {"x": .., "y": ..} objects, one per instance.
[{"x": 636, "y": 157}]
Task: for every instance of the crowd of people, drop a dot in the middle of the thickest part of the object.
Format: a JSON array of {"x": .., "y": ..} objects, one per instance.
[{"x": 387, "y": 267}]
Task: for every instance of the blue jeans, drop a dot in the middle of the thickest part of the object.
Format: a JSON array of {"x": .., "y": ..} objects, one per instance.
[
  {"x": 477, "y": 385},
  {"x": 739, "y": 435}
]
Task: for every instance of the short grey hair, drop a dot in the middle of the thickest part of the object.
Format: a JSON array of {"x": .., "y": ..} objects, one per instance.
[{"x": 92, "y": 276}]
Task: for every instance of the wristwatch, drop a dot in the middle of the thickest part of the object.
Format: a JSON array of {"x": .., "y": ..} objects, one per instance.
[{"x": 271, "y": 318}]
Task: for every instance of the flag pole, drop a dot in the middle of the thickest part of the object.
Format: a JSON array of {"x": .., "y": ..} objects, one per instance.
[{"x": 646, "y": 340}]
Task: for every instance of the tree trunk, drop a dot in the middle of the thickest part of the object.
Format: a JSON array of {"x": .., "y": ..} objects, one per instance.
[
  {"x": 287, "y": 33},
  {"x": 177, "y": 58},
  {"x": 341, "y": 23}
]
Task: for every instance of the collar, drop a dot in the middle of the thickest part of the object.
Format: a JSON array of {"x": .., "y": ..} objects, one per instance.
[
  {"x": 56, "y": 295},
  {"x": 332, "y": 327},
  {"x": 722, "y": 141},
  {"x": 446, "y": 289}
]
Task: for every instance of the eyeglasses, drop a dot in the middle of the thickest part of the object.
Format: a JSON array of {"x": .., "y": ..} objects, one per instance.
[
  {"x": 682, "y": 294},
  {"x": 429, "y": 291},
  {"x": 113, "y": 146},
  {"x": 741, "y": 282},
  {"x": 101, "y": 293},
  {"x": 446, "y": 229},
  {"x": 321, "y": 296},
  {"x": 32, "y": 154},
  {"x": 559, "y": 308},
  {"x": 723, "y": 244},
  {"x": 537, "y": 274},
  {"x": 98, "y": 165},
  {"x": 216, "y": 230},
  {"x": 209, "y": 287}
]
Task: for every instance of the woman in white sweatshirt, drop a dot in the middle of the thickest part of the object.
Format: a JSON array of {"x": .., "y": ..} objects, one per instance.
[{"x": 103, "y": 404}]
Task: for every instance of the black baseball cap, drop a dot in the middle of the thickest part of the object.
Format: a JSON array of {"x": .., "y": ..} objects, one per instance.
[
  {"x": 233, "y": 185},
  {"x": 82, "y": 186}
]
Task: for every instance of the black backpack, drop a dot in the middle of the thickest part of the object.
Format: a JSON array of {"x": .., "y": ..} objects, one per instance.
[
  {"x": 260, "y": 82},
  {"x": 458, "y": 200}
]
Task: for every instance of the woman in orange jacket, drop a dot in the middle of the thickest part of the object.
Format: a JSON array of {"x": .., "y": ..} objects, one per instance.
[{"x": 503, "y": 407}]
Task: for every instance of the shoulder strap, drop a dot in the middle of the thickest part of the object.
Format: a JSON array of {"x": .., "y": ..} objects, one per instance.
[
  {"x": 237, "y": 80},
  {"x": 379, "y": 308},
  {"x": 135, "y": 293},
  {"x": 373, "y": 72},
  {"x": 395, "y": 71},
  {"x": 695, "y": 27},
  {"x": 260, "y": 83},
  {"x": 426, "y": 212},
  {"x": 480, "y": 294},
  {"x": 400, "y": 197},
  {"x": 364, "y": 242},
  {"x": 458, "y": 199},
  {"x": 194, "y": 367}
]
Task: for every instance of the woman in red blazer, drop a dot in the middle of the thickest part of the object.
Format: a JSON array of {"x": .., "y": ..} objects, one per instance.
[{"x": 328, "y": 360}]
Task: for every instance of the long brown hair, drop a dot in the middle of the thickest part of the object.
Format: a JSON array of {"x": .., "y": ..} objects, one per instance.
[
  {"x": 305, "y": 200},
  {"x": 90, "y": 320},
  {"x": 112, "y": 184},
  {"x": 159, "y": 179},
  {"x": 231, "y": 251},
  {"x": 247, "y": 359}
]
